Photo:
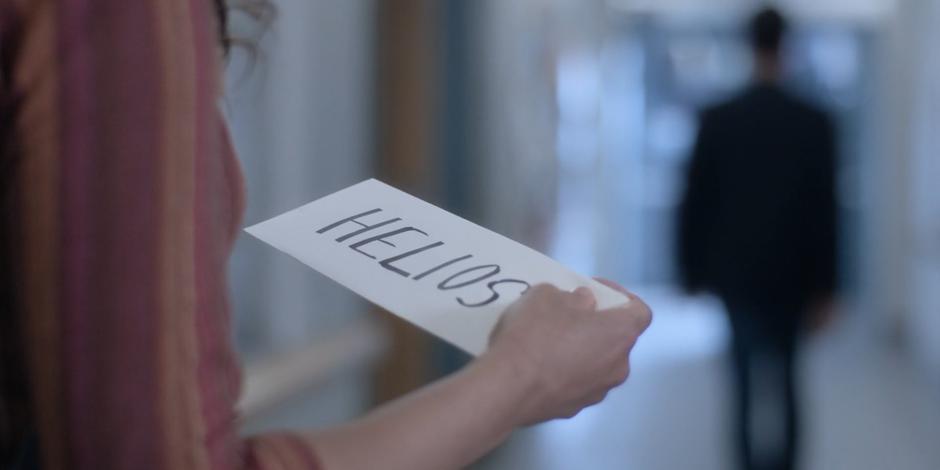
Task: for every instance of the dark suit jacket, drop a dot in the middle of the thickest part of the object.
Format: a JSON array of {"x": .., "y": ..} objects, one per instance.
[{"x": 758, "y": 218}]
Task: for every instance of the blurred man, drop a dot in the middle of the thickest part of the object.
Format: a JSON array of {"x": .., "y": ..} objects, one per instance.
[{"x": 757, "y": 227}]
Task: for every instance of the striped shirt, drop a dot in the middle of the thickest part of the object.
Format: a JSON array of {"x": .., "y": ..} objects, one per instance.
[{"x": 120, "y": 199}]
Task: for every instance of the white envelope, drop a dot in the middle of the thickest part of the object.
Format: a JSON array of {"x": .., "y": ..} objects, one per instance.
[{"x": 438, "y": 271}]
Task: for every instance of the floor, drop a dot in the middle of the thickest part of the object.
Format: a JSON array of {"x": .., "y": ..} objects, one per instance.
[{"x": 866, "y": 406}]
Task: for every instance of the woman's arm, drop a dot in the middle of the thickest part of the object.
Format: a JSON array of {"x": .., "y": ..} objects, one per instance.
[
  {"x": 123, "y": 246},
  {"x": 125, "y": 201},
  {"x": 552, "y": 356},
  {"x": 446, "y": 425}
]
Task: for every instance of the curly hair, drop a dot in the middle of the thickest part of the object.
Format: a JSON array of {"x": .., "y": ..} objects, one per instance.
[{"x": 261, "y": 11}]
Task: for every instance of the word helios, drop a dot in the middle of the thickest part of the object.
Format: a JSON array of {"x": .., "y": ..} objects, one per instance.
[{"x": 474, "y": 282}]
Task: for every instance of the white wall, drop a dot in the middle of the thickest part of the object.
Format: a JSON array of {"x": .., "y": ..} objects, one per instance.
[
  {"x": 301, "y": 116},
  {"x": 904, "y": 280},
  {"x": 924, "y": 213},
  {"x": 516, "y": 142}
]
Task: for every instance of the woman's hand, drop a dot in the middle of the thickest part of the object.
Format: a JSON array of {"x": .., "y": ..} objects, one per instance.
[
  {"x": 568, "y": 353},
  {"x": 551, "y": 355}
]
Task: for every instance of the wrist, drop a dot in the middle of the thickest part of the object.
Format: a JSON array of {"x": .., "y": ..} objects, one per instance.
[{"x": 515, "y": 379}]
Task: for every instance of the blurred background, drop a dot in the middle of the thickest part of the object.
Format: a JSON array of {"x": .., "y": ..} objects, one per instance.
[{"x": 567, "y": 125}]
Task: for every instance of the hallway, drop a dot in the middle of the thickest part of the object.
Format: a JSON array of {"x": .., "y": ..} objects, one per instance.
[
  {"x": 568, "y": 126},
  {"x": 865, "y": 406}
]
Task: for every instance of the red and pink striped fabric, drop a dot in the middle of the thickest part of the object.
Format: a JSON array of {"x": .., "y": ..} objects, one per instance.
[{"x": 120, "y": 205}]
